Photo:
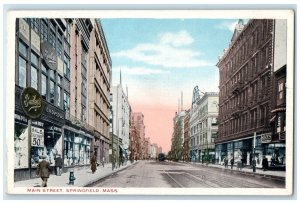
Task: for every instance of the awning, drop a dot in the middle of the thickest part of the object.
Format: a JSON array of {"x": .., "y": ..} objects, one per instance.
[{"x": 278, "y": 110}]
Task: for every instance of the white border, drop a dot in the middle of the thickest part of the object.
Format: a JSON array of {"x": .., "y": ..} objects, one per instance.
[{"x": 210, "y": 14}]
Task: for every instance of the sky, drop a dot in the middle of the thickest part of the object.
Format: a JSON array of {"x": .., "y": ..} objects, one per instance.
[{"x": 159, "y": 59}]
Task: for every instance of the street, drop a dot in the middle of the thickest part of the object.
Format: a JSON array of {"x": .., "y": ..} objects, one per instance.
[{"x": 183, "y": 175}]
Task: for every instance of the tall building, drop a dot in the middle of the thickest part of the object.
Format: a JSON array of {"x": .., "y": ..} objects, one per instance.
[
  {"x": 186, "y": 138},
  {"x": 247, "y": 94},
  {"x": 194, "y": 126},
  {"x": 178, "y": 136},
  {"x": 121, "y": 117},
  {"x": 208, "y": 128},
  {"x": 135, "y": 140},
  {"x": 138, "y": 122},
  {"x": 53, "y": 57},
  {"x": 278, "y": 120}
]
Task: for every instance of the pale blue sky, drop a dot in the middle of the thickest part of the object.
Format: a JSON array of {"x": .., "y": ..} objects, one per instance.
[{"x": 162, "y": 57}]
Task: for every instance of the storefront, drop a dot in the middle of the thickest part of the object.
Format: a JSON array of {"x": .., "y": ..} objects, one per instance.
[
  {"x": 35, "y": 137},
  {"x": 242, "y": 151},
  {"x": 77, "y": 147}
]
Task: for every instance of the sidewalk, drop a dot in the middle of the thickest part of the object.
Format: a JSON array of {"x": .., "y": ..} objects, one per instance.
[
  {"x": 248, "y": 170},
  {"x": 83, "y": 177}
]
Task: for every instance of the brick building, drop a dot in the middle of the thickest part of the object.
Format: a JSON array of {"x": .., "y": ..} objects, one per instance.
[{"x": 246, "y": 93}]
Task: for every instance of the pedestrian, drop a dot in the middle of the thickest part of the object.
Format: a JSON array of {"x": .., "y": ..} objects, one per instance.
[
  {"x": 254, "y": 164},
  {"x": 265, "y": 163},
  {"x": 58, "y": 164},
  {"x": 231, "y": 162},
  {"x": 94, "y": 163},
  {"x": 43, "y": 170},
  {"x": 226, "y": 162}
]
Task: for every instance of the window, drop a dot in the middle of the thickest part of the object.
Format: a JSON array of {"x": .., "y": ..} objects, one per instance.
[
  {"x": 52, "y": 74},
  {"x": 44, "y": 86},
  {"x": 34, "y": 59},
  {"x": 22, "y": 72},
  {"x": 59, "y": 79},
  {"x": 58, "y": 95},
  {"x": 44, "y": 69},
  {"x": 52, "y": 38},
  {"x": 34, "y": 81},
  {"x": 280, "y": 90},
  {"x": 52, "y": 91},
  {"x": 44, "y": 30},
  {"x": 59, "y": 45},
  {"x": 66, "y": 103},
  {"x": 67, "y": 67},
  {"x": 35, "y": 24},
  {"x": 22, "y": 49}
]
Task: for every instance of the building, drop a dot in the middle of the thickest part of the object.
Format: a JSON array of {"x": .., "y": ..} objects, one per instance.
[
  {"x": 135, "y": 140},
  {"x": 276, "y": 146},
  {"x": 178, "y": 136},
  {"x": 147, "y": 145},
  {"x": 208, "y": 128},
  {"x": 186, "y": 138},
  {"x": 53, "y": 56},
  {"x": 138, "y": 123},
  {"x": 246, "y": 93},
  {"x": 194, "y": 136},
  {"x": 154, "y": 151},
  {"x": 121, "y": 117}
]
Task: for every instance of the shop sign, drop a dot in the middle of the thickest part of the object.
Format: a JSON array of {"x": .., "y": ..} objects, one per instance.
[
  {"x": 57, "y": 114},
  {"x": 49, "y": 55},
  {"x": 21, "y": 119},
  {"x": 37, "y": 137},
  {"x": 266, "y": 138},
  {"x": 32, "y": 103}
]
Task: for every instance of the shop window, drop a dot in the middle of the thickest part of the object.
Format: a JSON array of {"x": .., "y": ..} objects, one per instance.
[
  {"x": 34, "y": 81},
  {"x": 20, "y": 146}
]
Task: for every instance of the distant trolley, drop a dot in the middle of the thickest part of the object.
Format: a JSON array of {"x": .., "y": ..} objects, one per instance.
[{"x": 161, "y": 157}]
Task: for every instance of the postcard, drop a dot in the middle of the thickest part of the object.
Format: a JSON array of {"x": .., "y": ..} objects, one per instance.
[{"x": 150, "y": 102}]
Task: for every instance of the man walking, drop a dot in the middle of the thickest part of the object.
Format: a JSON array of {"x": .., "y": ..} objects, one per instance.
[
  {"x": 43, "y": 170},
  {"x": 94, "y": 163},
  {"x": 58, "y": 164}
]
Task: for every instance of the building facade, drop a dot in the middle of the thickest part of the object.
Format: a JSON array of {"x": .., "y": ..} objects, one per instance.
[
  {"x": 186, "y": 138},
  {"x": 138, "y": 122},
  {"x": 178, "y": 136},
  {"x": 121, "y": 109},
  {"x": 208, "y": 128},
  {"x": 246, "y": 93},
  {"x": 50, "y": 56}
]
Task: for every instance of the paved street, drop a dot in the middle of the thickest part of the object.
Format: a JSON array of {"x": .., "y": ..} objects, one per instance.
[{"x": 185, "y": 175}]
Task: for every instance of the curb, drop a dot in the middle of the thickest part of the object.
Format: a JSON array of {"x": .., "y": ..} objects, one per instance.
[
  {"x": 281, "y": 178},
  {"x": 107, "y": 175}
]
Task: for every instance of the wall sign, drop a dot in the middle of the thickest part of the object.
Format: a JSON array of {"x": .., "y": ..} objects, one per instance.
[
  {"x": 32, "y": 103},
  {"x": 37, "y": 137},
  {"x": 266, "y": 138},
  {"x": 49, "y": 55}
]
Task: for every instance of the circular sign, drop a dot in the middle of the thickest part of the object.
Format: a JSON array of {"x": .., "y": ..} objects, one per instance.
[
  {"x": 32, "y": 102},
  {"x": 49, "y": 55}
]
